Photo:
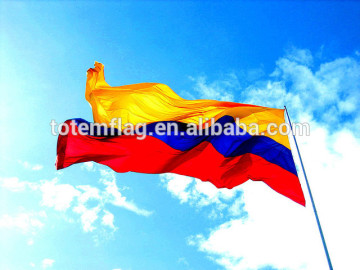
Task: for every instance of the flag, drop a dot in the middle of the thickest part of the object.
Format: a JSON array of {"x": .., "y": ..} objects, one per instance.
[{"x": 221, "y": 147}]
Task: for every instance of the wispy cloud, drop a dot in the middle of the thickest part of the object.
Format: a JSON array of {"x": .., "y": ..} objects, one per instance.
[
  {"x": 26, "y": 222},
  {"x": 113, "y": 195},
  {"x": 58, "y": 196},
  {"x": 88, "y": 166},
  {"x": 12, "y": 183},
  {"x": 88, "y": 216},
  {"x": 29, "y": 166},
  {"x": 47, "y": 263},
  {"x": 108, "y": 220},
  {"x": 219, "y": 89},
  {"x": 87, "y": 202},
  {"x": 328, "y": 92},
  {"x": 183, "y": 261},
  {"x": 301, "y": 56},
  {"x": 203, "y": 194}
]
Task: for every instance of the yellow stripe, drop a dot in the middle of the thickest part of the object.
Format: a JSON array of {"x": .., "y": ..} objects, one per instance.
[{"x": 154, "y": 102}]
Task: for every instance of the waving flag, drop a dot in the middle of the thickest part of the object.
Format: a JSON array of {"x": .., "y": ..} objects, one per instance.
[{"x": 225, "y": 159}]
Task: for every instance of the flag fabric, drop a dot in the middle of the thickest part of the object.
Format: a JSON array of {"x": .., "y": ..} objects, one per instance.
[{"x": 226, "y": 160}]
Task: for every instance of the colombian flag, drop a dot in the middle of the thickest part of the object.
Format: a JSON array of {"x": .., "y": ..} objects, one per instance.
[{"x": 226, "y": 160}]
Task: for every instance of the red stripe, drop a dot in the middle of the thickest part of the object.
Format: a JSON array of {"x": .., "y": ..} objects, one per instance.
[{"x": 151, "y": 155}]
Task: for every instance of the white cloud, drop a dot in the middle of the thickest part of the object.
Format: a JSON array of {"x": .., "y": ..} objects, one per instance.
[
  {"x": 89, "y": 166},
  {"x": 29, "y": 166},
  {"x": 47, "y": 263},
  {"x": 12, "y": 183},
  {"x": 277, "y": 232},
  {"x": 58, "y": 196},
  {"x": 301, "y": 56},
  {"x": 236, "y": 209},
  {"x": 332, "y": 175},
  {"x": 108, "y": 220},
  {"x": 183, "y": 261},
  {"x": 85, "y": 201},
  {"x": 25, "y": 222},
  {"x": 177, "y": 185},
  {"x": 87, "y": 193},
  {"x": 329, "y": 92},
  {"x": 113, "y": 195},
  {"x": 202, "y": 194},
  {"x": 88, "y": 216},
  {"x": 37, "y": 167},
  {"x": 217, "y": 89}
]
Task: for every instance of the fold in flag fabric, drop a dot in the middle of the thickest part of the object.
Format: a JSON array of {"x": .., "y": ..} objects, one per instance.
[{"x": 225, "y": 160}]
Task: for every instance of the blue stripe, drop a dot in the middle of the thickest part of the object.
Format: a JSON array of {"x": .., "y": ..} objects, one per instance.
[{"x": 227, "y": 145}]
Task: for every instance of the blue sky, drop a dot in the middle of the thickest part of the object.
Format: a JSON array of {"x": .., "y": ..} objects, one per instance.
[{"x": 303, "y": 54}]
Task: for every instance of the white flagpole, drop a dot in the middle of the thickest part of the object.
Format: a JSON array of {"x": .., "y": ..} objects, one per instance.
[{"x": 311, "y": 197}]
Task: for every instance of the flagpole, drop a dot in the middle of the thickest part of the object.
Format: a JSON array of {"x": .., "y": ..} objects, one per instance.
[{"x": 311, "y": 197}]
